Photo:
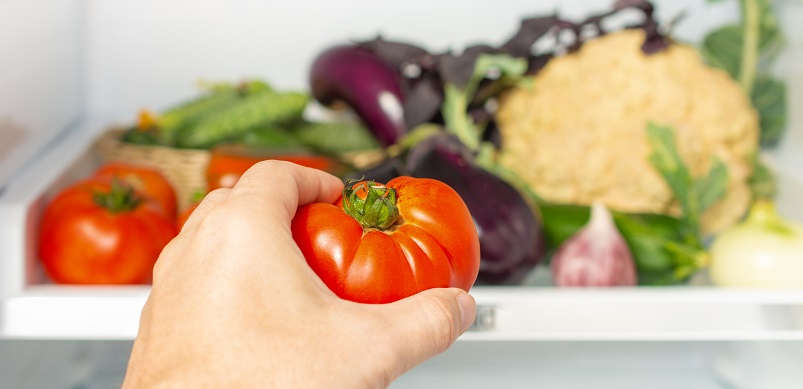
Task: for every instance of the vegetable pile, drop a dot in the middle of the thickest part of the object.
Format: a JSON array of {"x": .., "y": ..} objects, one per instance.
[
  {"x": 612, "y": 156},
  {"x": 649, "y": 129}
]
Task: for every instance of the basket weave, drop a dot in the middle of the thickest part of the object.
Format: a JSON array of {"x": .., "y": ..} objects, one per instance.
[{"x": 184, "y": 169}]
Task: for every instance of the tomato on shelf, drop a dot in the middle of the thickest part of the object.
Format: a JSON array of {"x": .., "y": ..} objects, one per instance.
[
  {"x": 148, "y": 181},
  {"x": 102, "y": 231},
  {"x": 381, "y": 243},
  {"x": 227, "y": 163}
]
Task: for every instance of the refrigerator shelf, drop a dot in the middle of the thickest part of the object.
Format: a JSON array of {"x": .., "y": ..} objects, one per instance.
[
  {"x": 31, "y": 307},
  {"x": 504, "y": 314}
]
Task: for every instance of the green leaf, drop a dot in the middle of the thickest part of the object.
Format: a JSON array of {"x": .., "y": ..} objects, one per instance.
[
  {"x": 763, "y": 182},
  {"x": 561, "y": 221},
  {"x": 456, "y": 100},
  {"x": 666, "y": 160},
  {"x": 661, "y": 254},
  {"x": 725, "y": 48},
  {"x": 455, "y": 118},
  {"x": 713, "y": 186},
  {"x": 722, "y": 48},
  {"x": 507, "y": 65},
  {"x": 694, "y": 196},
  {"x": 769, "y": 99}
]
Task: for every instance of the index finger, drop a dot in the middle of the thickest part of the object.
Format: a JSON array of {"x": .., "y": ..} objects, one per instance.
[{"x": 285, "y": 186}]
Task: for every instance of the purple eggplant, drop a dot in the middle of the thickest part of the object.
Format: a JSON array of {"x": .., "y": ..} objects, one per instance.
[
  {"x": 366, "y": 83},
  {"x": 512, "y": 241}
]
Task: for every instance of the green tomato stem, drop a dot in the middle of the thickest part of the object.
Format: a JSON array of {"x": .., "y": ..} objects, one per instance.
[
  {"x": 372, "y": 205},
  {"x": 120, "y": 198}
]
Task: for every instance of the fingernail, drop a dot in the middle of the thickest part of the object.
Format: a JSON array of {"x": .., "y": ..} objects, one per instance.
[{"x": 468, "y": 309}]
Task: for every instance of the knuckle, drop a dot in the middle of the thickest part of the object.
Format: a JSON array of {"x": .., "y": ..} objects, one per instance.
[{"x": 217, "y": 194}]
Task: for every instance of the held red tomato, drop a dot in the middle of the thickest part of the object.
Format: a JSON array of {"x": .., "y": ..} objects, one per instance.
[
  {"x": 100, "y": 231},
  {"x": 145, "y": 180},
  {"x": 379, "y": 244}
]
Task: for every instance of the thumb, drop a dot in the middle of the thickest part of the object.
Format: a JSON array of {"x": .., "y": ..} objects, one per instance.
[{"x": 428, "y": 323}]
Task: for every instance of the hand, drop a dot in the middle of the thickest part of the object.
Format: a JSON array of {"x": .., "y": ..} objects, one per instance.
[{"x": 234, "y": 304}]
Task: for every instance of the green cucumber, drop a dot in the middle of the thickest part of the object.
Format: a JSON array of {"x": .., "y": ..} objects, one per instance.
[
  {"x": 257, "y": 110},
  {"x": 174, "y": 119},
  {"x": 220, "y": 96},
  {"x": 272, "y": 138},
  {"x": 335, "y": 138}
]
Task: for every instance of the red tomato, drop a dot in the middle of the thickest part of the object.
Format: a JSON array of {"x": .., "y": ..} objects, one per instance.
[
  {"x": 102, "y": 232},
  {"x": 371, "y": 258},
  {"x": 228, "y": 163},
  {"x": 145, "y": 180}
]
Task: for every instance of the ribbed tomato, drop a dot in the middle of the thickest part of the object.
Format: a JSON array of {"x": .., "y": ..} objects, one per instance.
[
  {"x": 100, "y": 231},
  {"x": 381, "y": 243}
]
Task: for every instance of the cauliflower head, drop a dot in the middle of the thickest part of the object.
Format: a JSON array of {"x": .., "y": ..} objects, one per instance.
[{"x": 578, "y": 133}]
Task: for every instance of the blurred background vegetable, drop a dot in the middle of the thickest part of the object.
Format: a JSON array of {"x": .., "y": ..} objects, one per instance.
[
  {"x": 764, "y": 251},
  {"x": 511, "y": 237},
  {"x": 103, "y": 231},
  {"x": 369, "y": 85},
  {"x": 595, "y": 256},
  {"x": 747, "y": 50}
]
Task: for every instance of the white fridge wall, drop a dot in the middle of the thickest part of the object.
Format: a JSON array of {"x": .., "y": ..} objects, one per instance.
[
  {"x": 150, "y": 53},
  {"x": 41, "y": 75},
  {"x": 790, "y": 68}
]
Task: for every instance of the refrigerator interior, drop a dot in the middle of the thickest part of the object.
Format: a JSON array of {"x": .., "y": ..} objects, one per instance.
[
  {"x": 36, "y": 364},
  {"x": 72, "y": 68}
]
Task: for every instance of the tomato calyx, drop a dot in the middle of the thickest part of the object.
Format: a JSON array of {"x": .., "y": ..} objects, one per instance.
[
  {"x": 371, "y": 204},
  {"x": 119, "y": 198}
]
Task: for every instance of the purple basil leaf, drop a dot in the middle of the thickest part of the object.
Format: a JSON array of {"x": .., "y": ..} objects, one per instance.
[
  {"x": 423, "y": 100},
  {"x": 458, "y": 69},
  {"x": 537, "y": 62},
  {"x": 529, "y": 32},
  {"x": 394, "y": 53}
]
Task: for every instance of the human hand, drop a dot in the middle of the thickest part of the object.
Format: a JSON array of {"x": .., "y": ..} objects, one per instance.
[{"x": 234, "y": 303}]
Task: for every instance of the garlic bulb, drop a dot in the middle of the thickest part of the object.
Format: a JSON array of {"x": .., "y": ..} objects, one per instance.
[{"x": 597, "y": 255}]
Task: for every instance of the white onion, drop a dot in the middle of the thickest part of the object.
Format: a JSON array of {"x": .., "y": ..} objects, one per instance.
[{"x": 764, "y": 251}]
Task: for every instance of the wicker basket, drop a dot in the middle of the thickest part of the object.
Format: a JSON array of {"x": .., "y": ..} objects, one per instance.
[{"x": 185, "y": 169}]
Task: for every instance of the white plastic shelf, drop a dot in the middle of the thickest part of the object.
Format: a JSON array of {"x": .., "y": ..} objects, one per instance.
[
  {"x": 680, "y": 313},
  {"x": 504, "y": 314}
]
